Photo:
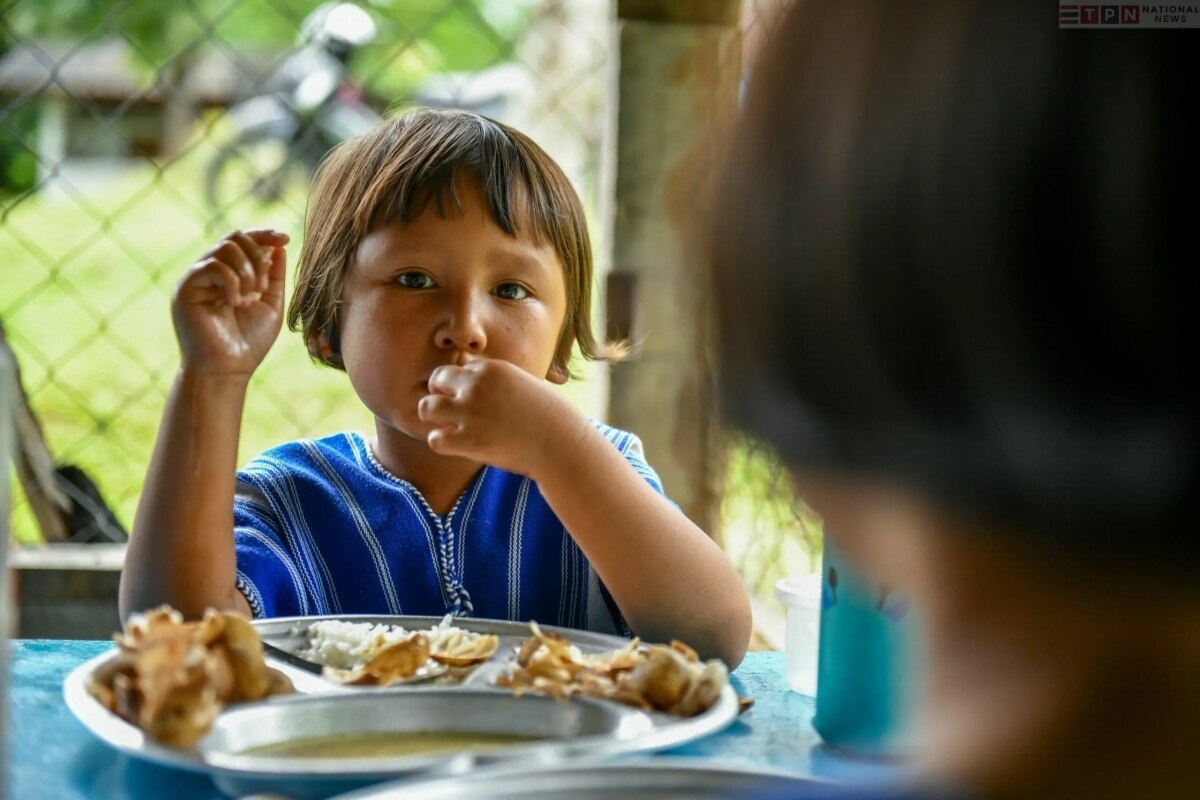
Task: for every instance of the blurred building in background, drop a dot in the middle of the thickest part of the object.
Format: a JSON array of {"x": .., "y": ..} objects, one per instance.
[{"x": 97, "y": 115}]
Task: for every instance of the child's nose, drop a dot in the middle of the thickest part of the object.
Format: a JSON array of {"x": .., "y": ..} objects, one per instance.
[
  {"x": 463, "y": 329},
  {"x": 472, "y": 343}
]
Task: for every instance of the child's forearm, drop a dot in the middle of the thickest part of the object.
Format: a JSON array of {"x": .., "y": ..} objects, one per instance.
[
  {"x": 668, "y": 577},
  {"x": 181, "y": 551}
]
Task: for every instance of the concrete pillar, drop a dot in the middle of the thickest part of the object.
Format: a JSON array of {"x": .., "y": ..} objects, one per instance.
[{"x": 680, "y": 67}]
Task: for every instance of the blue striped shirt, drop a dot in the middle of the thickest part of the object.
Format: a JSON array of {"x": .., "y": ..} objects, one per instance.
[{"x": 320, "y": 527}]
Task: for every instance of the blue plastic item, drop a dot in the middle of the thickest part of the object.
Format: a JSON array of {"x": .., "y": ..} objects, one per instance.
[{"x": 864, "y": 669}]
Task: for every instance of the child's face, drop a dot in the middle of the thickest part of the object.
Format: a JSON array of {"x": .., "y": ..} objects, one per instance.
[{"x": 446, "y": 291}]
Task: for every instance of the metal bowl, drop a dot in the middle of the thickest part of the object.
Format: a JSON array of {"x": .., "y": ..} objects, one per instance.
[{"x": 556, "y": 728}]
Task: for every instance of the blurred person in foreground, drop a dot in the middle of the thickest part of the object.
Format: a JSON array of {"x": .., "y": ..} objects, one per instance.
[{"x": 949, "y": 263}]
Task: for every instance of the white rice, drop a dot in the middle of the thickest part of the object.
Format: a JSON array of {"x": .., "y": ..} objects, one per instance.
[{"x": 347, "y": 644}]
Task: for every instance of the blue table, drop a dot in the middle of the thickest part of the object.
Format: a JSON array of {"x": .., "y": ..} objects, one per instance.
[{"x": 51, "y": 755}]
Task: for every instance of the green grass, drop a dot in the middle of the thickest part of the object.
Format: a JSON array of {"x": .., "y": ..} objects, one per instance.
[
  {"x": 86, "y": 302},
  {"x": 85, "y": 295}
]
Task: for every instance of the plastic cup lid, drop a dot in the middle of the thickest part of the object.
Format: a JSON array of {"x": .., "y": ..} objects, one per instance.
[{"x": 802, "y": 591}]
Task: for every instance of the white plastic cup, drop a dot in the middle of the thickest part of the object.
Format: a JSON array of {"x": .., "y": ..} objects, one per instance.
[{"x": 801, "y": 596}]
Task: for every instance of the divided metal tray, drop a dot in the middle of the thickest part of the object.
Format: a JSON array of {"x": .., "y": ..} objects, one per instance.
[
  {"x": 290, "y": 634},
  {"x": 581, "y": 729}
]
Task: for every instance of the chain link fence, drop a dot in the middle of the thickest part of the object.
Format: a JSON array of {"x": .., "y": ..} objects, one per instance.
[{"x": 133, "y": 135}]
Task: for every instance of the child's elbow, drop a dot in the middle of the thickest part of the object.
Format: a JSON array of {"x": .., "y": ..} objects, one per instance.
[{"x": 732, "y": 633}]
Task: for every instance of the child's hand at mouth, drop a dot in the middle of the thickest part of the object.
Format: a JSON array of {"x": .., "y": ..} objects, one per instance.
[{"x": 496, "y": 413}]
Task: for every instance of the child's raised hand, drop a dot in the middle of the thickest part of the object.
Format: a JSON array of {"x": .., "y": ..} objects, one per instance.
[
  {"x": 496, "y": 413},
  {"x": 228, "y": 308}
]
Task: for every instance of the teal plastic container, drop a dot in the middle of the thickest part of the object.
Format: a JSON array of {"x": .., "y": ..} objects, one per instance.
[{"x": 865, "y": 667}]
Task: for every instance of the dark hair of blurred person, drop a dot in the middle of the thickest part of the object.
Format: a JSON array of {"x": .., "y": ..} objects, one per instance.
[{"x": 949, "y": 268}]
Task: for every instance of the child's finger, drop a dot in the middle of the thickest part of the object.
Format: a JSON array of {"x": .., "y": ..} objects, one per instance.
[
  {"x": 231, "y": 253},
  {"x": 258, "y": 258},
  {"x": 212, "y": 273},
  {"x": 276, "y": 275},
  {"x": 262, "y": 269},
  {"x": 443, "y": 441},
  {"x": 269, "y": 242},
  {"x": 449, "y": 380},
  {"x": 269, "y": 237},
  {"x": 438, "y": 409}
]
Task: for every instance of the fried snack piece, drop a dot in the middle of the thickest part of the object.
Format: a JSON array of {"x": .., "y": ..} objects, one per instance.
[
  {"x": 464, "y": 649},
  {"x": 654, "y": 678},
  {"x": 703, "y": 691},
  {"x": 663, "y": 678},
  {"x": 171, "y": 678},
  {"x": 394, "y": 662}
]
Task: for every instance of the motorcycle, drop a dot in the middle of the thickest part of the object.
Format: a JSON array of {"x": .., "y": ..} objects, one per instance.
[{"x": 278, "y": 138}]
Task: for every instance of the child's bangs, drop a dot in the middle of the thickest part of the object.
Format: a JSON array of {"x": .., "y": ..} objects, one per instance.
[{"x": 519, "y": 199}]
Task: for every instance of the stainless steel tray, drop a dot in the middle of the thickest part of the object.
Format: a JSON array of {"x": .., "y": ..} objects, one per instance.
[
  {"x": 581, "y": 727},
  {"x": 650, "y": 778},
  {"x": 290, "y": 634}
]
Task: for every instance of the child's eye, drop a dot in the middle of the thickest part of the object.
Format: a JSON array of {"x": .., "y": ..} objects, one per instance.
[
  {"x": 415, "y": 280},
  {"x": 512, "y": 291}
]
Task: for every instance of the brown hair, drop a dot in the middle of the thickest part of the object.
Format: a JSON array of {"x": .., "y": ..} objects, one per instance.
[
  {"x": 968, "y": 265},
  {"x": 391, "y": 173}
]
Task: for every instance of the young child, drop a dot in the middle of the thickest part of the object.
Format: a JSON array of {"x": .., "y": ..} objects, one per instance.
[
  {"x": 447, "y": 270},
  {"x": 961, "y": 307}
]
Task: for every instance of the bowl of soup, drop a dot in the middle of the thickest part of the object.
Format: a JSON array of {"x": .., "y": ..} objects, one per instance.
[{"x": 323, "y": 741}]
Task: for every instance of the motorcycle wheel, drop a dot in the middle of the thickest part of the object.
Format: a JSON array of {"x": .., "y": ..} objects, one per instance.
[{"x": 260, "y": 168}]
